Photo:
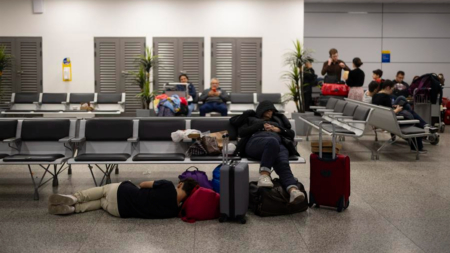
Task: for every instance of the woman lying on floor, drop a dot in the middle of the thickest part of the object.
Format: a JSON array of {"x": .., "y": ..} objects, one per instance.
[{"x": 153, "y": 200}]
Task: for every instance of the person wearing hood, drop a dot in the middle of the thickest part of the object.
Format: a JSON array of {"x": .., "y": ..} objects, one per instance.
[{"x": 266, "y": 135}]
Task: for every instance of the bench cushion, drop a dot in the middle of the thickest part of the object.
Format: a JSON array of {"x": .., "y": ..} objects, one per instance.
[
  {"x": 45, "y": 130},
  {"x": 3, "y": 156},
  {"x": 102, "y": 157},
  {"x": 109, "y": 98},
  {"x": 159, "y": 157},
  {"x": 33, "y": 158},
  {"x": 159, "y": 130},
  {"x": 78, "y": 98},
  {"x": 361, "y": 113},
  {"x": 241, "y": 98},
  {"x": 54, "y": 98},
  {"x": 109, "y": 129},
  {"x": 272, "y": 97},
  {"x": 412, "y": 130},
  {"x": 213, "y": 158},
  {"x": 291, "y": 158},
  {"x": 26, "y": 98},
  {"x": 8, "y": 129}
]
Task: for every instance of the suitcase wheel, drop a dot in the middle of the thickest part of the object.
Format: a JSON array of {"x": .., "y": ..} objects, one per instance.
[
  {"x": 340, "y": 205},
  {"x": 223, "y": 218},
  {"x": 348, "y": 203},
  {"x": 311, "y": 200},
  {"x": 243, "y": 220}
]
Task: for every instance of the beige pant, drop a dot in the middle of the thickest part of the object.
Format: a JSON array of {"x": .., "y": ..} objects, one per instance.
[{"x": 104, "y": 197}]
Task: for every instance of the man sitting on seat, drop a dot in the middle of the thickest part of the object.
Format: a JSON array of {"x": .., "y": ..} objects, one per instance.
[
  {"x": 266, "y": 135},
  {"x": 214, "y": 99},
  {"x": 153, "y": 200}
]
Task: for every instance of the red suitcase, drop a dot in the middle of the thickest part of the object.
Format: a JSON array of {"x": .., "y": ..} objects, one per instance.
[
  {"x": 335, "y": 89},
  {"x": 447, "y": 117},
  {"x": 329, "y": 178}
]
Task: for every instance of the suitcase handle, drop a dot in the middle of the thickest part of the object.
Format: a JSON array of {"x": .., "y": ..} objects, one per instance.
[
  {"x": 332, "y": 137},
  {"x": 325, "y": 173}
]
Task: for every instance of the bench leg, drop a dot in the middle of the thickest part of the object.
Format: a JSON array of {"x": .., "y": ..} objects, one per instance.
[
  {"x": 55, "y": 176},
  {"x": 36, "y": 193},
  {"x": 117, "y": 169},
  {"x": 92, "y": 173},
  {"x": 416, "y": 146},
  {"x": 69, "y": 171}
]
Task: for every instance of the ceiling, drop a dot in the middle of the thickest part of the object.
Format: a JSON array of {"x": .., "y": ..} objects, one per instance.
[{"x": 377, "y": 1}]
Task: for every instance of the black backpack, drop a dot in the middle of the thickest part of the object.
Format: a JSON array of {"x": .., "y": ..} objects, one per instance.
[{"x": 274, "y": 201}]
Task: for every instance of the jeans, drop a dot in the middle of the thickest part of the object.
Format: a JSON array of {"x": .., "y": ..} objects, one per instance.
[
  {"x": 214, "y": 107},
  {"x": 104, "y": 197},
  {"x": 191, "y": 107},
  {"x": 272, "y": 153},
  {"x": 408, "y": 108}
]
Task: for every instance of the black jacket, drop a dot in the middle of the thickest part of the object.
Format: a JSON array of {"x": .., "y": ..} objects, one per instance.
[
  {"x": 355, "y": 78},
  {"x": 251, "y": 122}
]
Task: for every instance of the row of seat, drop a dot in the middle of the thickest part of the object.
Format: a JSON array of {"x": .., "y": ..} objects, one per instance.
[
  {"x": 46, "y": 103},
  {"x": 104, "y": 141}
]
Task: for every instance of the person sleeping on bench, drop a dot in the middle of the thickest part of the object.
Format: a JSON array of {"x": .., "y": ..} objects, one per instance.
[
  {"x": 266, "y": 135},
  {"x": 153, "y": 200}
]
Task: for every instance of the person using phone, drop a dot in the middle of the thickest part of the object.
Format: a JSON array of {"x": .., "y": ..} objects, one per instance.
[
  {"x": 401, "y": 87},
  {"x": 214, "y": 99},
  {"x": 333, "y": 67},
  {"x": 383, "y": 98}
]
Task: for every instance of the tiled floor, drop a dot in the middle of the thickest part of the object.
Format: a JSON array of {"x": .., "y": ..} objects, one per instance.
[{"x": 398, "y": 204}]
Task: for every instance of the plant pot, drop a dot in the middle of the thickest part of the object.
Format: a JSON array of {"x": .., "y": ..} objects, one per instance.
[
  {"x": 301, "y": 128},
  {"x": 143, "y": 112}
]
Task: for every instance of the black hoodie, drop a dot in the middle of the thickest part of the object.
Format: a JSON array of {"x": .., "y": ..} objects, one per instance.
[{"x": 251, "y": 122}]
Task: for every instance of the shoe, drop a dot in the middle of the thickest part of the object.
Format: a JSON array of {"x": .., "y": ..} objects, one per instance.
[
  {"x": 296, "y": 197},
  {"x": 423, "y": 151},
  {"x": 61, "y": 209},
  {"x": 62, "y": 199},
  {"x": 265, "y": 181}
]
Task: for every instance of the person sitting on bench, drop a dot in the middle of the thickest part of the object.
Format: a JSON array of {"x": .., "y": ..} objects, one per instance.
[
  {"x": 214, "y": 99},
  {"x": 153, "y": 200},
  {"x": 266, "y": 135},
  {"x": 383, "y": 98}
]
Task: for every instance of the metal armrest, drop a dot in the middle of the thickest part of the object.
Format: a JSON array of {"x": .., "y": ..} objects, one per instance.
[
  {"x": 37, "y": 103},
  {"x": 228, "y": 102},
  {"x": 11, "y": 140},
  {"x": 121, "y": 102},
  {"x": 353, "y": 121},
  {"x": 65, "y": 139},
  {"x": 298, "y": 139},
  {"x": 325, "y": 110},
  {"x": 200, "y": 102},
  {"x": 408, "y": 122},
  {"x": 133, "y": 139},
  {"x": 400, "y": 117},
  {"x": 64, "y": 102},
  {"x": 343, "y": 117},
  {"x": 317, "y": 107},
  {"x": 93, "y": 102},
  {"x": 333, "y": 113},
  {"x": 78, "y": 140}
]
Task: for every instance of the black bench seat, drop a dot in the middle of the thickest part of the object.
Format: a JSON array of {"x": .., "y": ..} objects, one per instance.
[
  {"x": 33, "y": 158},
  {"x": 159, "y": 157},
  {"x": 102, "y": 157}
]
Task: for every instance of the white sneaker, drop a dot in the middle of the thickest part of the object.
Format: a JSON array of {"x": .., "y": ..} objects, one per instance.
[
  {"x": 62, "y": 199},
  {"x": 265, "y": 181},
  {"x": 61, "y": 209},
  {"x": 296, "y": 197}
]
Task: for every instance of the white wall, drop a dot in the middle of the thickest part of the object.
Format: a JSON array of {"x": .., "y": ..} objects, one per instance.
[
  {"x": 418, "y": 36},
  {"x": 68, "y": 28}
]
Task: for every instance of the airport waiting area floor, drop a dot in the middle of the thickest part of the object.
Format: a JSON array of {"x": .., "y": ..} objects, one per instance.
[{"x": 397, "y": 204}]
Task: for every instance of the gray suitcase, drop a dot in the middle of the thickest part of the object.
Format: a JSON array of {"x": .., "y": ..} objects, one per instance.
[{"x": 234, "y": 191}]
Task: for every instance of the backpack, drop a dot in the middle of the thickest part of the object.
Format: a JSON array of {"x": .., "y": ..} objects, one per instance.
[
  {"x": 274, "y": 201},
  {"x": 216, "y": 179},
  {"x": 197, "y": 175},
  {"x": 202, "y": 204}
]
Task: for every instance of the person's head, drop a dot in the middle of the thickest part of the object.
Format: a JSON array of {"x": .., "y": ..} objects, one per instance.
[
  {"x": 441, "y": 78},
  {"x": 183, "y": 78},
  {"x": 334, "y": 54},
  {"x": 400, "y": 76},
  {"x": 215, "y": 83},
  {"x": 185, "y": 187},
  {"x": 373, "y": 87},
  {"x": 357, "y": 62},
  {"x": 308, "y": 63},
  {"x": 377, "y": 74},
  {"x": 387, "y": 86},
  {"x": 265, "y": 110}
]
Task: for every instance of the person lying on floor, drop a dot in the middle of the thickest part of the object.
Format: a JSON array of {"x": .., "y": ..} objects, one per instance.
[
  {"x": 153, "y": 200},
  {"x": 266, "y": 135}
]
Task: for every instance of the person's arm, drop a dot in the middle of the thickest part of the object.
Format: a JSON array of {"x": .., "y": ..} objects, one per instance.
[
  {"x": 345, "y": 66},
  {"x": 239, "y": 120},
  {"x": 247, "y": 130},
  {"x": 324, "y": 68},
  {"x": 192, "y": 91},
  {"x": 147, "y": 184},
  {"x": 204, "y": 95},
  {"x": 224, "y": 96}
]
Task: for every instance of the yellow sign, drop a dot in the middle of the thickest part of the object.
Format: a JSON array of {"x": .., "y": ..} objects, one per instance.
[{"x": 67, "y": 70}]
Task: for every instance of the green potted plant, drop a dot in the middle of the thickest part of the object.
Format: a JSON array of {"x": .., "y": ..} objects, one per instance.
[
  {"x": 5, "y": 62},
  {"x": 296, "y": 60},
  {"x": 142, "y": 78}
]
